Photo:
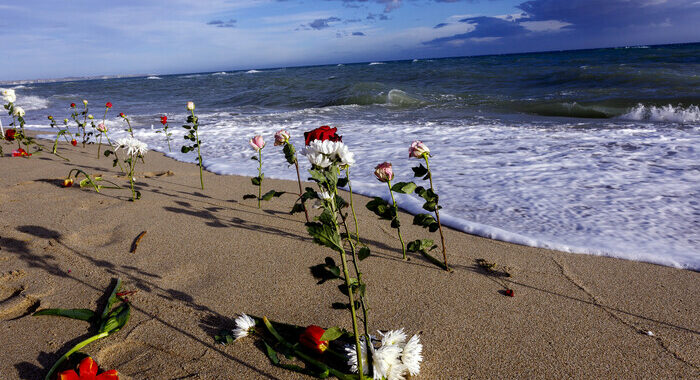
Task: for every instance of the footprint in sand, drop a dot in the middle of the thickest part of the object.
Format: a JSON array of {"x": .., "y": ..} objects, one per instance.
[{"x": 16, "y": 301}]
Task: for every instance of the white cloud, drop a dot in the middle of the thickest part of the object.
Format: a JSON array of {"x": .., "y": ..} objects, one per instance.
[{"x": 544, "y": 26}]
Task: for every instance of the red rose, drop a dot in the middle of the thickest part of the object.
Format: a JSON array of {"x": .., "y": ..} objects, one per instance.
[
  {"x": 10, "y": 134},
  {"x": 322, "y": 133},
  {"x": 108, "y": 105},
  {"x": 74, "y": 142},
  {"x": 72, "y": 105},
  {"x": 163, "y": 120},
  {"x": 311, "y": 339},
  {"x": 122, "y": 114}
]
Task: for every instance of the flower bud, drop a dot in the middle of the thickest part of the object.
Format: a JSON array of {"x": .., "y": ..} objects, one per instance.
[
  {"x": 74, "y": 142},
  {"x": 122, "y": 115},
  {"x": 90, "y": 117},
  {"x": 384, "y": 172},
  {"x": 68, "y": 182},
  {"x": 101, "y": 127},
  {"x": 190, "y": 106},
  {"x": 257, "y": 143},
  {"x": 50, "y": 117},
  {"x": 85, "y": 102},
  {"x": 72, "y": 105},
  {"x": 281, "y": 137},
  {"x": 418, "y": 150},
  {"x": 311, "y": 339},
  {"x": 164, "y": 120},
  {"x": 65, "y": 121},
  {"x": 108, "y": 105}
]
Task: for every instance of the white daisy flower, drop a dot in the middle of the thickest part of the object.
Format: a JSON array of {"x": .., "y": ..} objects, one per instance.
[
  {"x": 345, "y": 156},
  {"x": 412, "y": 355},
  {"x": 393, "y": 338},
  {"x": 133, "y": 147},
  {"x": 9, "y": 95},
  {"x": 386, "y": 363},
  {"x": 244, "y": 324},
  {"x": 352, "y": 357},
  {"x": 319, "y": 159},
  {"x": 324, "y": 195}
]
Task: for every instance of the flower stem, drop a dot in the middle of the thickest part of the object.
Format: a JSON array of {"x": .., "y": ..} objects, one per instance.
[
  {"x": 352, "y": 207},
  {"x": 396, "y": 215},
  {"x": 437, "y": 214},
  {"x": 260, "y": 176},
  {"x": 132, "y": 165},
  {"x": 199, "y": 153},
  {"x": 303, "y": 203},
  {"x": 115, "y": 153},
  {"x": 72, "y": 351}
]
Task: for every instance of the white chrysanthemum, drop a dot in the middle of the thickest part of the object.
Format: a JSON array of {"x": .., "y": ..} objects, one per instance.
[
  {"x": 133, "y": 147},
  {"x": 412, "y": 355},
  {"x": 386, "y": 363},
  {"x": 393, "y": 338},
  {"x": 244, "y": 324},
  {"x": 19, "y": 111},
  {"x": 352, "y": 357},
  {"x": 9, "y": 96},
  {"x": 345, "y": 156},
  {"x": 324, "y": 195},
  {"x": 319, "y": 159}
]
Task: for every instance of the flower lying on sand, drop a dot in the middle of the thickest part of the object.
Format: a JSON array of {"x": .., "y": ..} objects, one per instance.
[
  {"x": 244, "y": 325},
  {"x": 133, "y": 146},
  {"x": 88, "y": 371},
  {"x": 68, "y": 182},
  {"x": 394, "y": 359},
  {"x": 311, "y": 339},
  {"x": 20, "y": 153}
]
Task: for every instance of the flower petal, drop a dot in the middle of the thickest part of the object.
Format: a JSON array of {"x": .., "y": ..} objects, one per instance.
[
  {"x": 87, "y": 368},
  {"x": 68, "y": 375},
  {"x": 109, "y": 375}
]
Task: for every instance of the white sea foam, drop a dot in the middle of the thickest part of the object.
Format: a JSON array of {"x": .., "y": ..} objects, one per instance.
[
  {"x": 31, "y": 102},
  {"x": 154, "y": 77},
  {"x": 221, "y": 73},
  {"x": 678, "y": 114},
  {"x": 376, "y": 63},
  {"x": 253, "y": 71}
]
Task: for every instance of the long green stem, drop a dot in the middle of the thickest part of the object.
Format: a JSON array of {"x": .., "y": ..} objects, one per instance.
[
  {"x": 260, "y": 175},
  {"x": 72, "y": 351},
  {"x": 132, "y": 165},
  {"x": 199, "y": 153},
  {"x": 84, "y": 125},
  {"x": 352, "y": 207},
  {"x": 303, "y": 203},
  {"x": 99, "y": 146},
  {"x": 437, "y": 214},
  {"x": 115, "y": 152},
  {"x": 396, "y": 213}
]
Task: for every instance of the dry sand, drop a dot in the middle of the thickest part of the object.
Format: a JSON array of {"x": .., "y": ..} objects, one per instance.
[{"x": 209, "y": 255}]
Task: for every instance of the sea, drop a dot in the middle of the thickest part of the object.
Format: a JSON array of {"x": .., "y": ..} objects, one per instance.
[{"x": 586, "y": 151}]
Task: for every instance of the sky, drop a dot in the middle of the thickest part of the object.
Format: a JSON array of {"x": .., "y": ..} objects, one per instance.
[{"x": 55, "y": 39}]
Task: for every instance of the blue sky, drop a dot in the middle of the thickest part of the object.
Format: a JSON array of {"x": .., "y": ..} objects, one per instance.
[{"x": 51, "y": 39}]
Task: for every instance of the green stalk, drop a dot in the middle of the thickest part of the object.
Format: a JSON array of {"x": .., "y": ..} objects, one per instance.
[
  {"x": 199, "y": 154},
  {"x": 85, "y": 124},
  {"x": 346, "y": 273},
  {"x": 437, "y": 214},
  {"x": 132, "y": 166},
  {"x": 396, "y": 212},
  {"x": 352, "y": 207},
  {"x": 99, "y": 146},
  {"x": 259, "y": 175},
  {"x": 73, "y": 350},
  {"x": 303, "y": 203},
  {"x": 115, "y": 152}
]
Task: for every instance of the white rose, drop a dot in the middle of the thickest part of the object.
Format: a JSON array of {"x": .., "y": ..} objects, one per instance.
[
  {"x": 190, "y": 106},
  {"x": 19, "y": 111},
  {"x": 9, "y": 95},
  {"x": 346, "y": 157}
]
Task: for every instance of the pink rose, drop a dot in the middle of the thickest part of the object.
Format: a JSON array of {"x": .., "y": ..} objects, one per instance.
[
  {"x": 418, "y": 149},
  {"x": 281, "y": 137},
  {"x": 384, "y": 172},
  {"x": 101, "y": 127},
  {"x": 257, "y": 143}
]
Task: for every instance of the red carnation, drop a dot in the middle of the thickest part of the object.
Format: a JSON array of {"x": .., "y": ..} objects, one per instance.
[
  {"x": 163, "y": 120},
  {"x": 20, "y": 153},
  {"x": 72, "y": 105},
  {"x": 322, "y": 133},
  {"x": 74, "y": 142},
  {"x": 10, "y": 134},
  {"x": 108, "y": 105}
]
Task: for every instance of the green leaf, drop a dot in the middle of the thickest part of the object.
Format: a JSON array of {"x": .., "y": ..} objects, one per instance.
[
  {"x": 381, "y": 208},
  {"x": 423, "y": 220},
  {"x": 112, "y": 299},
  {"x": 107, "y": 153},
  {"x": 395, "y": 223},
  {"x": 256, "y": 181},
  {"x": 298, "y": 207},
  {"x": 403, "y": 187},
  {"x": 250, "y": 196},
  {"x": 340, "y": 203},
  {"x": 363, "y": 253},
  {"x": 79, "y": 314},
  {"x": 332, "y": 333},
  {"x": 342, "y": 182},
  {"x": 317, "y": 176},
  {"x": 325, "y": 235},
  {"x": 84, "y": 182},
  {"x": 272, "y": 193},
  {"x": 327, "y": 218},
  {"x": 419, "y": 245},
  {"x": 289, "y": 153},
  {"x": 117, "y": 318},
  {"x": 420, "y": 171},
  {"x": 254, "y": 158},
  {"x": 272, "y": 354},
  {"x": 184, "y": 149}
]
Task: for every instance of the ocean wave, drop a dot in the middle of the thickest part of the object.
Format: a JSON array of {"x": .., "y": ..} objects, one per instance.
[
  {"x": 253, "y": 71},
  {"x": 32, "y": 103},
  {"x": 220, "y": 73},
  {"x": 678, "y": 114},
  {"x": 154, "y": 77},
  {"x": 376, "y": 63}
]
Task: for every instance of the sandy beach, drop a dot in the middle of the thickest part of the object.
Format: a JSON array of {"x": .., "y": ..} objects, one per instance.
[{"x": 208, "y": 255}]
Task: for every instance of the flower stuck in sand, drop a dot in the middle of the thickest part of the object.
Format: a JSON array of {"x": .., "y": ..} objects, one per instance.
[
  {"x": 418, "y": 150},
  {"x": 9, "y": 95},
  {"x": 108, "y": 104},
  {"x": 19, "y": 111},
  {"x": 324, "y": 153},
  {"x": 311, "y": 339},
  {"x": 384, "y": 172},
  {"x": 20, "y": 153},
  {"x": 101, "y": 127},
  {"x": 133, "y": 146},
  {"x": 10, "y": 134},
  {"x": 72, "y": 105},
  {"x": 322, "y": 133},
  {"x": 74, "y": 142},
  {"x": 281, "y": 137},
  {"x": 190, "y": 106},
  {"x": 164, "y": 120},
  {"x": 257, "y": 143},
  {"x": 88, "y": 371},
  {"x": 244, "y": 326}
]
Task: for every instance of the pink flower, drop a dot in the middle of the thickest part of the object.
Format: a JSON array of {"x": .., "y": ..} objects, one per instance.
[
  {"x": 281, "y": 137},
  {"x": 257, "y": 143},
  {"x": 384, "y": 172},
  {"x": 101, "y": 127},
  {"x": 418, "y": 150}
]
